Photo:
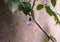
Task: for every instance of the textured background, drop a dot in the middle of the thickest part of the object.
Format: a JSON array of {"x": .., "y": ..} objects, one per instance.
[{"x": 14, "y": 28}]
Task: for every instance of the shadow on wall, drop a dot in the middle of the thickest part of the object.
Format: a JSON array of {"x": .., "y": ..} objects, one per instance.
[{"x": 7, "y": 30}]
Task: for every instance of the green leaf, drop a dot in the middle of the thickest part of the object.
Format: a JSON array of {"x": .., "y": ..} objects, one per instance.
[
  {"x": 53, "y": 2},
  {"x": 40, "y": 6},
  {"x": 20, "y": 7},
  {"x": 53, "y": 38},
  {"x": 13, "y": 6},
  {"x": 32, "y": 13},
  {"x": 26, "y": 11},
  {"x": 46, "y": 40},
  {"x": 16, "y": 0},
  {"x": 26, "y": 7},
  {"x": 58, "y": 15},
  {"x": 51, "y": 13}
]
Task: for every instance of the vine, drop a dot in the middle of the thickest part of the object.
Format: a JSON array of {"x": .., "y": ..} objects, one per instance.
[{"x": 27, "y": 9}]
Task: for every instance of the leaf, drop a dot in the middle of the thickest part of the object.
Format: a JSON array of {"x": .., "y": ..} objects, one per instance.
[
  {"x": 58, "y": 15},
  {"x": 40, "y": 6},
  {"x": 46, "y": 40},
  {"x": 26, "y": 11},
  {"x": 53, "y": 38},
  {"x": 32, "y": 13},
  {"x": 53, "y": 2},
  {"x": 20, "y": 7},
  {"x": 51, "y": 13},
  {"x": 13, "y": 6},
  {"x": 26, "y": 8},
  {"x": 16, "y": 0}
]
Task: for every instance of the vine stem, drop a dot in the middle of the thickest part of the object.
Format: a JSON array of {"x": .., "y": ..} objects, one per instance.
[
  {"x": 39, "y": 25},
  {"x": 43, "y": 31},
  {"x": 33, "y": 4}
]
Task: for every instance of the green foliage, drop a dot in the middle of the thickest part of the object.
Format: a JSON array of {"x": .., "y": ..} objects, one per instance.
[
  {"x": 58, "y": 15},
  {"x": 46, "y": 40},
  {"x": 52, "y": 38},
  {"x": 51, "y": 13},
  {"x": 16, "y": 0},
  {"x": 25, "y": 7},
  {"x": 12, "y": 5},
  {"x": 40, "y": 6},
  {"x": 20, "y": 7},
  {"x": 53, "y": 2},
  {"x": 32, "y": 14}
]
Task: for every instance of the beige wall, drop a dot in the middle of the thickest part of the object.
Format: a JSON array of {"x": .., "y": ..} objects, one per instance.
[
  {"x": 14, "y": 28},
  {"x": 34, "y": 34}
]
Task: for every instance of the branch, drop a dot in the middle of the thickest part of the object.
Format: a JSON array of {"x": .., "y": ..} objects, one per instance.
[
  {"x": 43, "y": 31},
  {"x": 40, "y": 26},
  {"x": 33, "y": 4}
]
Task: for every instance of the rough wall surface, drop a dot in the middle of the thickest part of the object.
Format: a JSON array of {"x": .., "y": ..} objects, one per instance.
[{"x": 14, "y": 28}]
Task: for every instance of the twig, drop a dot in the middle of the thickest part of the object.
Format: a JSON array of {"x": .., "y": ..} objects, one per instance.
[
  {"x": 40, "y": 26},
  {"x": 43, "y": 31},
  {"x": 33, "y": 4}
]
